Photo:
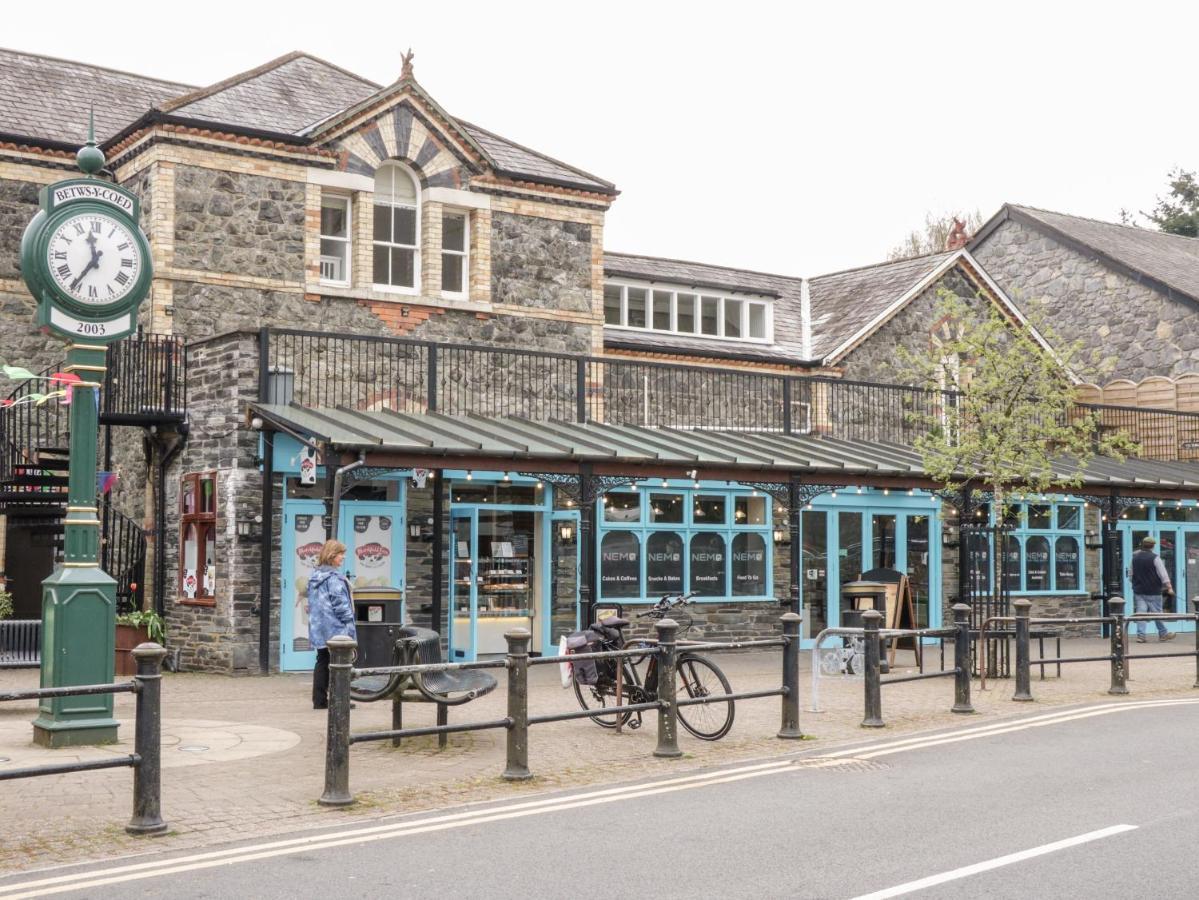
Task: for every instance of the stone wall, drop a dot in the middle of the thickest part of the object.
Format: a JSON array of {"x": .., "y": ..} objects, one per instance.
[
  {"x": 221, "y": 636},
  {"x": 912, "y": 327},
  {"x": 240, "y": 224},
  {"x": 1132, "y": 327},
  {"x": 541, "y": 263}
]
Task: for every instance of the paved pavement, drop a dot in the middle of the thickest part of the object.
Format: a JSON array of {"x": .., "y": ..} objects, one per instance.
[{"x": 244, "y": 757}]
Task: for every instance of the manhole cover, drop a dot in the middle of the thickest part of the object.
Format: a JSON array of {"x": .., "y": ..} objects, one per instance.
[
  {"x": 194, "y": 748},
  {"x": 839, "y": 764}
]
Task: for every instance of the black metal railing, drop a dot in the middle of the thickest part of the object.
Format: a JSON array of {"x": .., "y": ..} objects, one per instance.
[
  {"x": 26, "y": 427},
  {"x": 123, "y": 556},
  {"x": 409, "y": 375},
  {"x": 146, "y": 381}
]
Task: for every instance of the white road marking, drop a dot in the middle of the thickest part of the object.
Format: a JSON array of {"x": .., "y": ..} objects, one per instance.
[
  {"x": 966, "y": 871},
  {"x": 79, "y": 880},
  {"x": 137, "y": 871}
]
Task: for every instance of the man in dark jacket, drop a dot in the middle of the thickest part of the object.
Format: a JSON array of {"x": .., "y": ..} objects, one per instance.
[{"x": 1150, "y": 581}]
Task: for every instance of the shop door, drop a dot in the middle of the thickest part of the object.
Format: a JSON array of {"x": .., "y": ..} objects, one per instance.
[
  {"x": 373, "y": 533},
  {"x": 464, "y": 585},
  {"x": 1178, "y": 546},
  {"x": 303, "y": 537},
  {"x": 565, "y": 614}
]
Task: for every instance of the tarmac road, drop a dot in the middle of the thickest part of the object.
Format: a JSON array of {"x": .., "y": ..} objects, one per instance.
[{"x": 1097, "y": 801}]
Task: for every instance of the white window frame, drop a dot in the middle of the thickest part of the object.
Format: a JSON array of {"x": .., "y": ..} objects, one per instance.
[
  {"x": 415, "y": 248},
  {"x": 464, "y": 253},
  {"x": 348, "y": 240},
  {"x": 746, "y": 300}
]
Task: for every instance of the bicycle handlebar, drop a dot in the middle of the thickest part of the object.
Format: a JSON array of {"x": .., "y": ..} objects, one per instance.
[{"x": 668, "y": 602}]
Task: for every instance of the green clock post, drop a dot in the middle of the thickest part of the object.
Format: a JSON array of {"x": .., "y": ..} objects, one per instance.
[{"x": 87, "y": 263}]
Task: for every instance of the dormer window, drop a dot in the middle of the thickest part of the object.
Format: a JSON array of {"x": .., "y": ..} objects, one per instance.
[
  {"x": 687, "y": 311},
  {"x": 396, "y": 229}
]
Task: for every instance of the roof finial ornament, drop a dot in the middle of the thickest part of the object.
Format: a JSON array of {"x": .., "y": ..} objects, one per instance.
[
  {"x": 406, "y": 69},
  {"x": 957, "y": 235},
  {"x": 90, "y": 158}
]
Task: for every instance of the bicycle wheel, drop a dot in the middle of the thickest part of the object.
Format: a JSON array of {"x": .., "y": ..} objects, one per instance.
[
  {"x": 695, "y": 677},
  {"x": 599, "y": 696}
]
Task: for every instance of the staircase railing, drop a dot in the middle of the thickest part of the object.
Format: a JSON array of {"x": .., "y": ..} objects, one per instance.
[
  {"x": 123, "y": 555},
  {"x": 25, "y": 426}
]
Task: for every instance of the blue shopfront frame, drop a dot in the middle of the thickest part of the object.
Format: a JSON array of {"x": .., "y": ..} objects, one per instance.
[
  {"x": 643, "y": 527},
  {"x": 1177, "y": 544},
  {"x": 868, "y": 503}
]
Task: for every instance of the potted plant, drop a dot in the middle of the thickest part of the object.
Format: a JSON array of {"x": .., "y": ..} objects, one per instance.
[{"x": 135, "y": 628}]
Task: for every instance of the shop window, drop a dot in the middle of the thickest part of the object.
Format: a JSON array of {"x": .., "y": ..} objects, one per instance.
[
  {"x": 708, "y": 565},
  {"x": 1069, "y": 518},
  {"x": 1065, "y": 562},
  {"x": 1011, "y": 562},
  {"x": 749, "y": 511},
  {"x": 496, "y": 493},
  {"x": 749, "y": 565},
  {"x": 709, "y": 510},
  {"x": 335, "y": 239},
  {"x": 454, "y": 243},
  {"x": 622, "y": 506},
  {"x": 197, "y": 558},
  {"x": 666, "y": 508},
  {"x": 620, "y": 566},
  {"x": 1036, "y": 564},
  {"x": 663, "y": 564},
  {"x": 396, "y": 229},
  {"x": 1039, "y": 517}
]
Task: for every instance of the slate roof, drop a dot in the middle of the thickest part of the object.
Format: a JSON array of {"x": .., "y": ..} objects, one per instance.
[
  {"x": 47, "y": 99},
  {"x": 286, "y": 95},
  {"x": 1169, "y": 260},
  {"x": 788, "y": 327},
  {"x": 842, "y": 303}
]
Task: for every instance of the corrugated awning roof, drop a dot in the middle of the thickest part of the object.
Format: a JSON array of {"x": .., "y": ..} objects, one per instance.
[{"x": 463, "y": 438}]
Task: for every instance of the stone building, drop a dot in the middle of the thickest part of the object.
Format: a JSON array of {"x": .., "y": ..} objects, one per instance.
[{"x": 411, "y": 327}]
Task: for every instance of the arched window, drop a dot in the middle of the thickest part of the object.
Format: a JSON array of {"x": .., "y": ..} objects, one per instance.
[
  {"x": 749, "y": 565},
  {"x": 620, "y": 565},
  {"x": 397, "y": 228}
]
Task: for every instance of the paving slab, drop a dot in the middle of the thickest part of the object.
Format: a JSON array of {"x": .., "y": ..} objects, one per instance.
[{"x": 244, "y": 757}]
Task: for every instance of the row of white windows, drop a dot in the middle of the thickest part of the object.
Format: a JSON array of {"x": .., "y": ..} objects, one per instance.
[
  {"x": 395, "y": 236},
  {"x": 686, "y": 312}
]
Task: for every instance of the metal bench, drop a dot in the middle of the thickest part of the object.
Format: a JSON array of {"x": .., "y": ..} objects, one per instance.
[{"x": 422, "y": 646}]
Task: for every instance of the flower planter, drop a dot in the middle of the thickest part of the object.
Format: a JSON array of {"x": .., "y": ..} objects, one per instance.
[{"x": 128, "y": 637}]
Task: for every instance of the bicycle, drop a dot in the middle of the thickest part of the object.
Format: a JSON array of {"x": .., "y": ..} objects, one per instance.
[{"x": 696, "y": 677}]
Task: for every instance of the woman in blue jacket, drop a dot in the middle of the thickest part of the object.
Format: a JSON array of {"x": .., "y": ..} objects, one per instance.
[{"x": 330, "y": 612}]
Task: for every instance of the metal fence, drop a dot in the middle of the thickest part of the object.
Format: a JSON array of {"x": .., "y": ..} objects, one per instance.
[{"x": 371, "y": 372}]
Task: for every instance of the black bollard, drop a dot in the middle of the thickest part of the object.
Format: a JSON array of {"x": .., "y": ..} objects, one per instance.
[
  {"x": 961, "y": 660},
  {"x": 874, "y": 693},
  {"x": 337, "y": 746},
  {"x": 1115, "y": 609},
  {"x": 147, "y": 742},
  {"x": 790, "y": 727},
  {"x": 518, "y": 706},
  {"x": 668, "y": 710},
  {"x": 1023, "y": 675},
  {"x": 1195, "y": 602}
]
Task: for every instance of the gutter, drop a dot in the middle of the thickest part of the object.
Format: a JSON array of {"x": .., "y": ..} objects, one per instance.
[{"x": 335, "y": 499}]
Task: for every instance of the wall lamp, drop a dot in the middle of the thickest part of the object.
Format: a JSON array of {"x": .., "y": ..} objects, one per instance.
[
  {"x": 782, "y": 536},
  {"x": 1094, "y": 540},
  {"x": 566, "y": 531},
  {"x": 250, "y": 529},
  {"x": 949, "y": 539}
]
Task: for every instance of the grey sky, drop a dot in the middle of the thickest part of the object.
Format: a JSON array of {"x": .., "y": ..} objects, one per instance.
[{"x": 784, "y": 137}]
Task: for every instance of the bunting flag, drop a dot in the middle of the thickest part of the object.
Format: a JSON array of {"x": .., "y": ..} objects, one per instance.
[{"x": 105, "y": 481}]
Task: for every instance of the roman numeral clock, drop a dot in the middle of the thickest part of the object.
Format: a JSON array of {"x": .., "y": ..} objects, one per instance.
[
  {"x": 86, "y": 260},
  {"x": 87, "y": 263}
]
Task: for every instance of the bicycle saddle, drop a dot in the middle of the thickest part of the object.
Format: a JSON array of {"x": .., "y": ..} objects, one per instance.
[{"x": 614, "y": 622}]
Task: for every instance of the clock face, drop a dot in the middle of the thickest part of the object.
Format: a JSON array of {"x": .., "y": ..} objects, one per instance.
[{"x": 94, "y": 258}]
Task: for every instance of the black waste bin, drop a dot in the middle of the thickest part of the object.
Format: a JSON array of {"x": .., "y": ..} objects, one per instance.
[{"x": 378, "y": 612}]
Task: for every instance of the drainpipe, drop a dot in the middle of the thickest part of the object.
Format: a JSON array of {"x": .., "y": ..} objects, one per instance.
[{"x": 335, "y": 499}]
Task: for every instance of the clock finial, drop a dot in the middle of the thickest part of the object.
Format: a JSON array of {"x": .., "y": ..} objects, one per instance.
[{"x": 90, "y": 158}]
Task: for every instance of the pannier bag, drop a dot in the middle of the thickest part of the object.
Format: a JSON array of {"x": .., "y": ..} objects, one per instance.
[{"x": 585, "y": 670}]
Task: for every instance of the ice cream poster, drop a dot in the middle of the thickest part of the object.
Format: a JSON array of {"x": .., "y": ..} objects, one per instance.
[
  {"x": 309, "y": 537},
  {"x": 372, "y": 551}
]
